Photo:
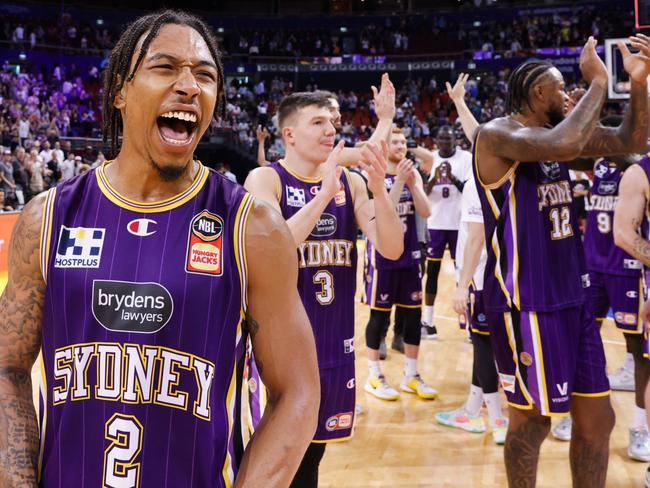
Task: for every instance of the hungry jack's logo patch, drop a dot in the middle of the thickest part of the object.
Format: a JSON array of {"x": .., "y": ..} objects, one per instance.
[{"x": 205, "y": 245}]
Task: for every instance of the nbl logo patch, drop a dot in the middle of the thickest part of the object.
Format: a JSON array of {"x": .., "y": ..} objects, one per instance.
[
  {"x": 205, "y": 245},
  {"x": 79, "y": 247}
]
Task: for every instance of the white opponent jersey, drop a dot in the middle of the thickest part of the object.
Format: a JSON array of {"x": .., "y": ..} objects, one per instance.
[
  {"x": 470, "y": 212},
  {"x": 445, "y": 197}
]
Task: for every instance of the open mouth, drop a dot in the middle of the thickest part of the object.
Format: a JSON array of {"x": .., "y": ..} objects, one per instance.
[{"x": 177, "y": 128}]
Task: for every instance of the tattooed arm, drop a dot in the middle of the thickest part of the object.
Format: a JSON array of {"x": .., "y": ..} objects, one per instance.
[
  {"x": 633, "y": 198},
  {"x": 284, "y": 349},
  {"x": 21, "y": 307}
]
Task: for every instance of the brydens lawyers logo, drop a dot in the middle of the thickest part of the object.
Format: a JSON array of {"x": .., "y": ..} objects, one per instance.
[
  {"x": 141, "y": 227},
  {"x": 126, "y": 306},
  {"x": 79, "y": 247},
  {"x": 205, "y": 245}
]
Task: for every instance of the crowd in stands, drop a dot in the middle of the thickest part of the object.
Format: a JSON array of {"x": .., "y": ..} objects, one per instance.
[{"x": 399, "y": 34}]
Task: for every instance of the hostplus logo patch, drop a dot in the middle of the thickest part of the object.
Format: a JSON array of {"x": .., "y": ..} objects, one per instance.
[{"x": 79, "y": 247}]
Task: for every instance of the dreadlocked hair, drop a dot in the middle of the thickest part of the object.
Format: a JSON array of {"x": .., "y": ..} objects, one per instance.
[
  {"x": 520, "y": 82},
  {"x": 117, "y": 73}
]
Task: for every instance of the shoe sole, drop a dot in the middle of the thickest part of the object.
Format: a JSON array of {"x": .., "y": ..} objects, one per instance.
[
  {"x": 563, "y": 439},
  {"x": 414, "y": 392},
  {"x": 372, "y": 391},
  {"x": 456, "y": 426},
  {"x": 397, "y": 349},
  {"x": 429, "y": 337},
  {"x": 638, "y": 458}
]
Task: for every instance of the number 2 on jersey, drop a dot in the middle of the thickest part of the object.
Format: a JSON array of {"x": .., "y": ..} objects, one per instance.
[
  {"x": 325, "y": 279},
  {"x": 120, "y": 468}
]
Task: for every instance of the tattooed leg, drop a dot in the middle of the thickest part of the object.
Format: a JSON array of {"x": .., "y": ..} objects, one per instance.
[
  {"x": 526, "y": 432},
  {"x": 593, "y": 421}
]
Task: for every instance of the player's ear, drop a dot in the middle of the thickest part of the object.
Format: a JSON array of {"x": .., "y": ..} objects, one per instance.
[
  {"x": 119, "y": 101},
  {"x": 288, "y": 135}
]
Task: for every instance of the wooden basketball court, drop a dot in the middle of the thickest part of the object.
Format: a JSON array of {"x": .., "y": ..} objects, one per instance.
[{"x": 399, "y": 444}]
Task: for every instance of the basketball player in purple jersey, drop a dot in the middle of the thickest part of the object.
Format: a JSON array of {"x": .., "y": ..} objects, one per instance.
[
  {"x": 398, "y": 281},
  {"x": 616, "y": 281},
  {"x": 548, "y": 348},
  {"x": 140, "y": 282},
  {"x": 323, "y": 204},
  {"x": 631, "y": 215}
]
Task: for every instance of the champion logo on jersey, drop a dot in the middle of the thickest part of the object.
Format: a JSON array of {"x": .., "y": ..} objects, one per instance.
[
  {"x": 295, "y": 197},
  {"x": 141, "y": 227},
  {"x": 205, "y": 245},
  {"x": 79, "y": 247}
]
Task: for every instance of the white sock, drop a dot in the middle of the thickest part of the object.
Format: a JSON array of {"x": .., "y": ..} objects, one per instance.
[
  {"x": 373, "y": 367},
  {"x": 628, "y": 363},
  {"x": 493, "y": 402},
  {"x": 410, "y": 367},
  {"x": 474, "y": 400},
  {"x": 427, "y": 315},
  {"x": 640, "y": 419}
]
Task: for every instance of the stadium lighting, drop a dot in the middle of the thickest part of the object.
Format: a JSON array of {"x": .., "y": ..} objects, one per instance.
[
  {"x": 22, "y": 56},
  {"x": 100, "y": 21},
  {"x": 344, "y": 29},
  {"x": 220, "y": 30}
]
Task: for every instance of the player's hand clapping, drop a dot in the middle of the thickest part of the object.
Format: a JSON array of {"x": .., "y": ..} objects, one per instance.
[
  {"x": 405, "y": 172},
  {"x": 374, "y": 165},
  {"x": 591, "y": 66},
  {"x": 331, "y": 183},
  {"x": 637, "y": 65},
  {"x": 384, "y": 98}
]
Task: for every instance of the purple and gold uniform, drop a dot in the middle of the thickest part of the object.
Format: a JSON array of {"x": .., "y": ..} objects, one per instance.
[
  {"x": 546, "y": 343},
  {"x": 327, "y": 263},
  {"x": 396, "y": 281},
  {"x": 615, "y": 277},
  {"x": 142, "y": 335}
]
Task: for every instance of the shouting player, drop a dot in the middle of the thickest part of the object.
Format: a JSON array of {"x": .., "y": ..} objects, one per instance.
[{"x": 139, "y": 281}]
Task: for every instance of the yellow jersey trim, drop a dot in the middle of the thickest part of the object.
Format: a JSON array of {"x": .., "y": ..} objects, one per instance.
[
  {"x": 332, "y": 441},
  {"x": 150, "y": 207},
  {"x": 298, "y": 176},
  {"x": 46, "y": 232}
]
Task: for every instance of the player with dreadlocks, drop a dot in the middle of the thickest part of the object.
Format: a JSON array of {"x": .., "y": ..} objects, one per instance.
[
  {"x": 546, "y": 343},
  {"x": 140, "y": 282}
]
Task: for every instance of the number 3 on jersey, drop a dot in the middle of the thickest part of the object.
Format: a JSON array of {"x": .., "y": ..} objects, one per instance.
[
  {"x": 120, "y": 468},
  {"x": 326, "y": 294}
]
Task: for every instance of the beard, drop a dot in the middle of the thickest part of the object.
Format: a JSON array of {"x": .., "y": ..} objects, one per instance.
[
  {"x": 171, "y": 172},
  {"x": 555, "y": 116}
]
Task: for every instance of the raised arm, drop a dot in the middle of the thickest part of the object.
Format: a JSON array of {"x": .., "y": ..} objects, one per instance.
[
  {"x": 377, "y": 218},
  {"x": 21, "y": 308},
  {"x": 385, "y": 109},
  {"x": 633, "y": 198},
  {"x": 420, "y": 200},
  {"x": 457, "y": 95},
  {"x": 632, "y": 135},
  {"x": 424, "y": 155},
  {"x": 284, "y": 347},
  {"x": 261, "y": 134}
]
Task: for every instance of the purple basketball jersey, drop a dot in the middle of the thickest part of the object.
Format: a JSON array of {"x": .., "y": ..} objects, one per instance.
[
  {"x": 601, "y": 253},
  {"x": 328, "y": 265},
  {"x": 142, "y": 338},
  {"x": 645, "y": 165},
  {"x": 406, "y": 212},
  {"x": 535, "y": 257}
]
